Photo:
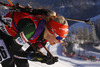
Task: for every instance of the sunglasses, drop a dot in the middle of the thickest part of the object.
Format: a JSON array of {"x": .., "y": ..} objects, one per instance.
[{"x": 57, "y": 36}]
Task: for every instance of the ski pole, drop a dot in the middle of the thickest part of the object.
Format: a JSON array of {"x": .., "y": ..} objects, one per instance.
[
  {"x": 75, "y": 20},
  {"x": 35, "y": 48},
  {"x": 48, "y": 51}
]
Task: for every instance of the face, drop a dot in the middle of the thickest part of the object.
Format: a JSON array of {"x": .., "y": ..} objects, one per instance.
[{"x": 52, "y": 40}]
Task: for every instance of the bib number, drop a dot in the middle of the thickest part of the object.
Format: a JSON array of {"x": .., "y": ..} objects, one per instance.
[{"x": 3, "y": 52}]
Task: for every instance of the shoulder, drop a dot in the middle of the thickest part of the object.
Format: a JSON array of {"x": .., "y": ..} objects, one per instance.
[{"x": 25, "y": 22}]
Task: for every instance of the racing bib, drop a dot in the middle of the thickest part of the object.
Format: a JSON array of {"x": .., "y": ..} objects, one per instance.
[{"x": 3, "y": 52}]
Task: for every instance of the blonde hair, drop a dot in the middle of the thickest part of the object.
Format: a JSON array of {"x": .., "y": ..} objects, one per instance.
[
  {"x": 52, "y": 13},
  {"x": 49, "y": 16},
  {"x": 61, "y": 20}
]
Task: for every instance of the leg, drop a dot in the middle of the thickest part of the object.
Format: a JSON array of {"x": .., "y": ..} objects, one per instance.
[
  {"x": 21, "y": 62},
  {"x": 7, "y": 41},
  {"x": 8, "y": 63}
]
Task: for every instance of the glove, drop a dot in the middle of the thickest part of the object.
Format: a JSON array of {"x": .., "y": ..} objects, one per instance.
[
  {"x": 42, "y": 58},
  {"x": 36, "y": 57},
  {"x": 49, "y": 59},
  {"x": 52, "y": 60}
]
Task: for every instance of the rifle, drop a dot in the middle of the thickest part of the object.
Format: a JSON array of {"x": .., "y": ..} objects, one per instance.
[
  {"x": 17, "y": 7},
  {"x": 30, "y": 10}
]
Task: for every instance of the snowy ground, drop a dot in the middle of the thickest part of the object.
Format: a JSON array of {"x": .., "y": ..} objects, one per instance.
[
  {"x": 64, "y": 61},
  {"x": 97, "y": 47}
]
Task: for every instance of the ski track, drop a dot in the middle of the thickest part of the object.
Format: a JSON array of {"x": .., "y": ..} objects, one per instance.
[{"x": 73, "y": 62}]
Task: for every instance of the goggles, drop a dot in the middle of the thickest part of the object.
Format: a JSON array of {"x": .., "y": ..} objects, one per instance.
[{"x": 57, "y": 36}]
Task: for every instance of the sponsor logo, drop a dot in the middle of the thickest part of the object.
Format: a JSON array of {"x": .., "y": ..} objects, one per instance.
[
  {"x": 19, "y": 41},
  {"x": 23, "y": 37},
  {"x": 64, "y": 29}
]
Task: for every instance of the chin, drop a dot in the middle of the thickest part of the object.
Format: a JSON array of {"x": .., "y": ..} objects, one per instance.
[{"x": 53, "y": 44}]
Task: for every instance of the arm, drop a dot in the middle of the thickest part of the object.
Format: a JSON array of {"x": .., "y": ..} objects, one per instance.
[{"x": 27, "y": 27}]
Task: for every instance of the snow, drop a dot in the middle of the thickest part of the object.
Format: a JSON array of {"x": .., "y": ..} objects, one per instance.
[
  {"x": 97, "y": 47},
  {"x": 64, "y": 61}
]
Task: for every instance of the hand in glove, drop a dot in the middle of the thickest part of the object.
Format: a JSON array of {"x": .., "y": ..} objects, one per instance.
[
  {"x": 42, "y": 58},
  {"x": 36, "y": 57},
  {"x": 52, "y": 60}
]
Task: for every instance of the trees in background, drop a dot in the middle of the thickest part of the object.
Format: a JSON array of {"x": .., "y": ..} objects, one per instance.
[
  {"x": 86, "y": 34},
  {"x": 97, "y": 28}
]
